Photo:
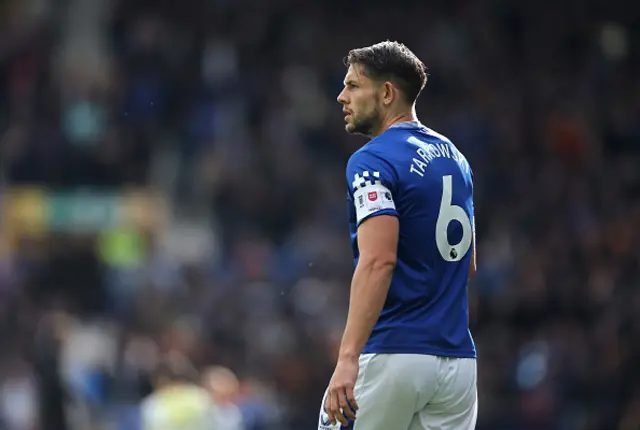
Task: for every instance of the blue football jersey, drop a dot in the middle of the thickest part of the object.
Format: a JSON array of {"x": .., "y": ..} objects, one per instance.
[{"x": 419, "y": 176}]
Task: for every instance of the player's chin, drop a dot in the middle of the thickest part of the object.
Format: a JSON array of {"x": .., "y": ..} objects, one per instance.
[
  {"x": 359, "y": 129},
  {"x": 350, "y": 128}
]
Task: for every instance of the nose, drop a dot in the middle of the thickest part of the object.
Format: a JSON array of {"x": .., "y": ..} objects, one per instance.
[{"x": 341, "y": 98}]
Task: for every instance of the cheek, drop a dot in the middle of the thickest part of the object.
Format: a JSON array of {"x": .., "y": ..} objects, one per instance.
[
  {"x": 366, "y": 109},
  {"x": 361, "y": 106}
]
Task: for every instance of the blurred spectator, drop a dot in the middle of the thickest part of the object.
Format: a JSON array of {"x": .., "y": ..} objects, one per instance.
[
  {"x": 224, "y": 388},
  {"x": 177, "y": 401},
  {"x": 54, "y": 396}
]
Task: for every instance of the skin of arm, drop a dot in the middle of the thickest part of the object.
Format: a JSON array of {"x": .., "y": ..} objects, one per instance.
[{"x": 378, "y": 245}]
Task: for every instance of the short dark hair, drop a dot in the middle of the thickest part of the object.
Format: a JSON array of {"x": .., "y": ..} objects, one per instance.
[{"x": 391, "y": 61}]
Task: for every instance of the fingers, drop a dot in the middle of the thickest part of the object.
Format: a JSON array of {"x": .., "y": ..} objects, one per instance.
[
  {"x": 351, "y": 397},
  {"x": 337, "y": 407},
  {"x": 333, "y": 411},
  {"x": 344, "y": 405}
]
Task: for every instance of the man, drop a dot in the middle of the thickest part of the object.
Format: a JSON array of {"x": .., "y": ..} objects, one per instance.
[
  {"x": 178, "y": 403},
  {"x": 407, "y": 359}
]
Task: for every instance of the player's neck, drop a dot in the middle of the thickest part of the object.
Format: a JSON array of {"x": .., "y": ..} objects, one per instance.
[{"x": 397, "y": 119}]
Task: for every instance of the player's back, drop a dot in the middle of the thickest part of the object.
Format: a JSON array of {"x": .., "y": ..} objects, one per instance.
[{"x": 423, "y": 179}]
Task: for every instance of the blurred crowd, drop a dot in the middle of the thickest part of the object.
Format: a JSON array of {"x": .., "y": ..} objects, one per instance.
[{"x": 226, "y": 110}]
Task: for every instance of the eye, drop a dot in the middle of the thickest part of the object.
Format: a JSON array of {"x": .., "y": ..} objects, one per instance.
[{"x": 351, "y": 85}]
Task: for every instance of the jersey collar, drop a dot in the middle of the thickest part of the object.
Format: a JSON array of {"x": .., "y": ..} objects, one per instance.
[{"x": 407, "y": 125}]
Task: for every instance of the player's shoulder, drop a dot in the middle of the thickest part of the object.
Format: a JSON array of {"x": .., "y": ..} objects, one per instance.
[
  {"x": 369, "y": 166},
  {"x": 367, "y": 155},
  {"x": 383, "y": 148}
]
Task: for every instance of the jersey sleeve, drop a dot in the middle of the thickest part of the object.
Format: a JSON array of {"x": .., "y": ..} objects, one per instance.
[{"x": 372, "y": 183}]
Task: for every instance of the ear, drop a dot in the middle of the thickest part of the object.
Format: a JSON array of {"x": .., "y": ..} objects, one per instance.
[{"x": 389, "y": 93}]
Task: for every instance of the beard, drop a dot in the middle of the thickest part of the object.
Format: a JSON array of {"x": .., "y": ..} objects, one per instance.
[{"x": 364, "y": 125}]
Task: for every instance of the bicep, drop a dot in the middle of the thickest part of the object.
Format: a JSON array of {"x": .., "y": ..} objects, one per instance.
[{"x": 378, "y": 239}]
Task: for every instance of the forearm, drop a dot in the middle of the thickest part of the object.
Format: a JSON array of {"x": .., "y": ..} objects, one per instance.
[{"x": 369, "y": 289}]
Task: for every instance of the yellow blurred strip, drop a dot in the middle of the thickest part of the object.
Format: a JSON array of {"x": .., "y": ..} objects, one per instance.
[{"x": 25, "y": 213}]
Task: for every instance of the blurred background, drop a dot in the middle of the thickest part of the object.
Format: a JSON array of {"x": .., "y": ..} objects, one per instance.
[{"x": 172, "y": 179}]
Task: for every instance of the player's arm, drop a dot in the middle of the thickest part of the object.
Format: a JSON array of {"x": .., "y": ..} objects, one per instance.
[
  {"x": 378, "y": 230},
  {"x": 372, "y": 181},
  {"x": 473, "y": 294},
  {"x": 472, "y": 263},
  {"x": 378, "y": 244}
]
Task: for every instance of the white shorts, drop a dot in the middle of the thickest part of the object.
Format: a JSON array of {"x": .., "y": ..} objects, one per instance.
[{"x": 413, "y": 392}]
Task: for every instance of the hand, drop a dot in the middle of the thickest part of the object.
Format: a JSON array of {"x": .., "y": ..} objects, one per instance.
[{"x": 340, "y": 394}]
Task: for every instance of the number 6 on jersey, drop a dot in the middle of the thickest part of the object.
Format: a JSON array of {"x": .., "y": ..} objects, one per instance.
[{"x": 450, "y": 212}]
